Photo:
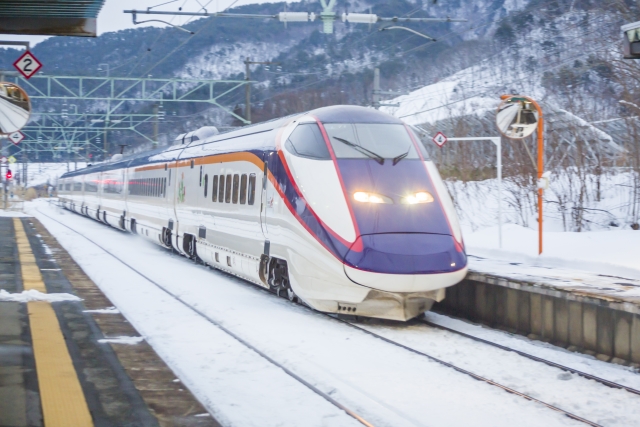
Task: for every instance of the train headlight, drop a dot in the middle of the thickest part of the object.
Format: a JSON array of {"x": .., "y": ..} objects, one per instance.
[
  {"x": 419, "y": 197},
  {"x": 364, "y": 197}
]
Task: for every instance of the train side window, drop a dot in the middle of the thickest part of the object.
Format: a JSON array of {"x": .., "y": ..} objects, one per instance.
[
  {"x": 200, "y": 176},
  {"x": 236, "y": 188},
  {"x": 243, "y": 189},
  {"x": 164, "y": 187},
  {"x": 227, "y": 196},
  {"x": 221, "y": 190},
  {"x": 214, "y": 188},
  {"x": 307, "y": 141},
  {"x": 252, "y": 189},
  {"x": 206, "y": 184}
]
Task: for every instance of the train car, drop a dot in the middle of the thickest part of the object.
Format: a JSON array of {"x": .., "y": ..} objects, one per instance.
[{"x": 339, "y": 207}]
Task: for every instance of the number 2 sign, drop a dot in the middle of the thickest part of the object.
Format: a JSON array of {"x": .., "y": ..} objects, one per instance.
[{"x": 27, "y": 64}]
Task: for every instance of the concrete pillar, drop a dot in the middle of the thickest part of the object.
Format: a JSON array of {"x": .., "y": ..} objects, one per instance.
[
  {"x": 500, "y": 309},
  {"x": 481, "y": 309},
  {"x": 605, "y": 332},
  {"x": 511, "y": 315},
  {"x": 536, "y": 315},
  {"x": 635, "y": 339},
  {"x": 561, "y": 322},
  {"x": 547, "y": 318},
  {"x": 589, "y": 328},
  {"x": 622, "y": 336},
  {"x": 524, "y": 313},
  {"x": 575, "y": 324}
]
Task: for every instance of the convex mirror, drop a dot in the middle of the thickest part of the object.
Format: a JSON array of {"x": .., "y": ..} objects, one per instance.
[
  {"x": 15, "y": 108},
  {"x": 517, "y": 118}
]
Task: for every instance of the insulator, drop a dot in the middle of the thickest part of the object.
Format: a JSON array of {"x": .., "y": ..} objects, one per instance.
[
  {"x": 361, "y": 18},
  {"x": 293, "y": 16}
]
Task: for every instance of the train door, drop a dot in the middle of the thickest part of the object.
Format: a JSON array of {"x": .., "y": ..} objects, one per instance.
[{"x": 269, "y": 193}]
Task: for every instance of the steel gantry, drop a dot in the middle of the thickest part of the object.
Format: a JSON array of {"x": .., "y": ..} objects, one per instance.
[
  {"x": 71, "y": 131},
  {"x": 127, "y": 89}
]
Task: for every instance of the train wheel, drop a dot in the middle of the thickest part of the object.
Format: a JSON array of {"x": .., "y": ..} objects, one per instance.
[{"x": 279, "y": 279}]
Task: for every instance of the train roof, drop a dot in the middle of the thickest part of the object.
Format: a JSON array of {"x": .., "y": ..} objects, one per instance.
[{"x": 331, "y": 114}]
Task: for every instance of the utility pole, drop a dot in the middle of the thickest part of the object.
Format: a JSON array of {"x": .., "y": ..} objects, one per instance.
[
  {"x": 155, "y": 124},
  {"x": 106, "y": 120},
  {"x": 247, "y": 88},
  {"x": 377, "y": 92},
  {"x": 376, "y": 88}
]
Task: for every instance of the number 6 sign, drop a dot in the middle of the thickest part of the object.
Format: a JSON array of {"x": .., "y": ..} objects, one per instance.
[{"x": 27, "y": 64}]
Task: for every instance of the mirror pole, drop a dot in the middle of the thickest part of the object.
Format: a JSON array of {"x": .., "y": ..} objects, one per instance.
[{"x": 540, "y": 132}]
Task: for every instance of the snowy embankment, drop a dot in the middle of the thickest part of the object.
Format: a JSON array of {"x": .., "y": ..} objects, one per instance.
[
  {"x": 387, "y": 385},
  {"x": 606, "y": 243}
]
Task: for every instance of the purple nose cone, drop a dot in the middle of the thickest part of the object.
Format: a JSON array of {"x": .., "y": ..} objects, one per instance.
[{"x": 406, "y": 253}]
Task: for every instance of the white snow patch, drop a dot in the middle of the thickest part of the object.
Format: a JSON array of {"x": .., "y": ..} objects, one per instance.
[
  {"x": 122, "y": 340},
  {"x": 33, "y": 295},
  {"x": 109, "y": 310}
]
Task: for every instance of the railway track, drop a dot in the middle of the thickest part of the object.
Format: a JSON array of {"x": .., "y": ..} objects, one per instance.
[
  {"x": 350, "y": 412},
  {"x": 586, "y": 375},
  {"x": 248, "y": 345},
  {"x": 471, "y": 374}
]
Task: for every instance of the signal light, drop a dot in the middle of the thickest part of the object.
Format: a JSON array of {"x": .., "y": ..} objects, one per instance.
[{"x": 9, "y": 174}]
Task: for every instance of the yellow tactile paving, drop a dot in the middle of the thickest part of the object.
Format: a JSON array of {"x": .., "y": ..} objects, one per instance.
[
  {"x": 63, "y": 402},
  {"x": 31, "y": 277}
]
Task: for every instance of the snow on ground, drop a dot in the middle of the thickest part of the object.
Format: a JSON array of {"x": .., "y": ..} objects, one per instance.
[
  {"x": 386, "y": 385},
  {"x": 565, "y": 390},
  {"x": 33, "y": 295},
  {"x": 122, "y": 340},
  {"x": 606, "y": 246},
  {"x": 581, "y": 362}
]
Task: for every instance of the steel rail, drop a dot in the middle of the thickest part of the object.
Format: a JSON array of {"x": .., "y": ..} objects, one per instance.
[
  {"x": 362, "y": 329},
  {"x": 469, "y": 373},
  {"x": 224, "y": 329},
  {"x": 603, "y": 381}
]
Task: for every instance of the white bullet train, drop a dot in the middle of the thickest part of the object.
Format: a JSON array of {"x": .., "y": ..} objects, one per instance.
[{"x": 339, "y": 207}]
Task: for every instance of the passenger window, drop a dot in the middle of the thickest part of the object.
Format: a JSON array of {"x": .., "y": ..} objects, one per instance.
[
  {"x": 236, "y": 187},
  {"x": 227, "y": 195},
  {"x": 214, "y": 189},
  {"x": 252, "y": 188},
  {"x": 221, "y": 191},
  {"x": 206, "y": 184},
  {"x": 243, "y": 189},
  {"x": 307, "y": 141}
]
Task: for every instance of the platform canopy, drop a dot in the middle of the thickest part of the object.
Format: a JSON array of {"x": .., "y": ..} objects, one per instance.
[{"x": 50, "y": 17}]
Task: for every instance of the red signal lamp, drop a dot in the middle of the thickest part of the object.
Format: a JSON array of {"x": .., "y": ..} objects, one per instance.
[{"x": 9, "y": 174}]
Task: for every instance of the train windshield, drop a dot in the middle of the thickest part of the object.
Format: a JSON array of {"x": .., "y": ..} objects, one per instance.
[{"x": 377, "y": 141}]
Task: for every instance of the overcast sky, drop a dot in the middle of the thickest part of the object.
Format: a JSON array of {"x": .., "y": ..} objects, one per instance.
[{"x": 111, "y": 17}]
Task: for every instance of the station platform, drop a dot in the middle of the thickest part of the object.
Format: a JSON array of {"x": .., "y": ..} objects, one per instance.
[
  {"x": 68, "y": 358},
  {"x": 596, "y": 314}
]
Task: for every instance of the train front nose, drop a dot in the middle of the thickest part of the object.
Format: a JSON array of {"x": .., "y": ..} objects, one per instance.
[
  {"x": 404, "y": 262},
  {"x": 405, "y": 253}
]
